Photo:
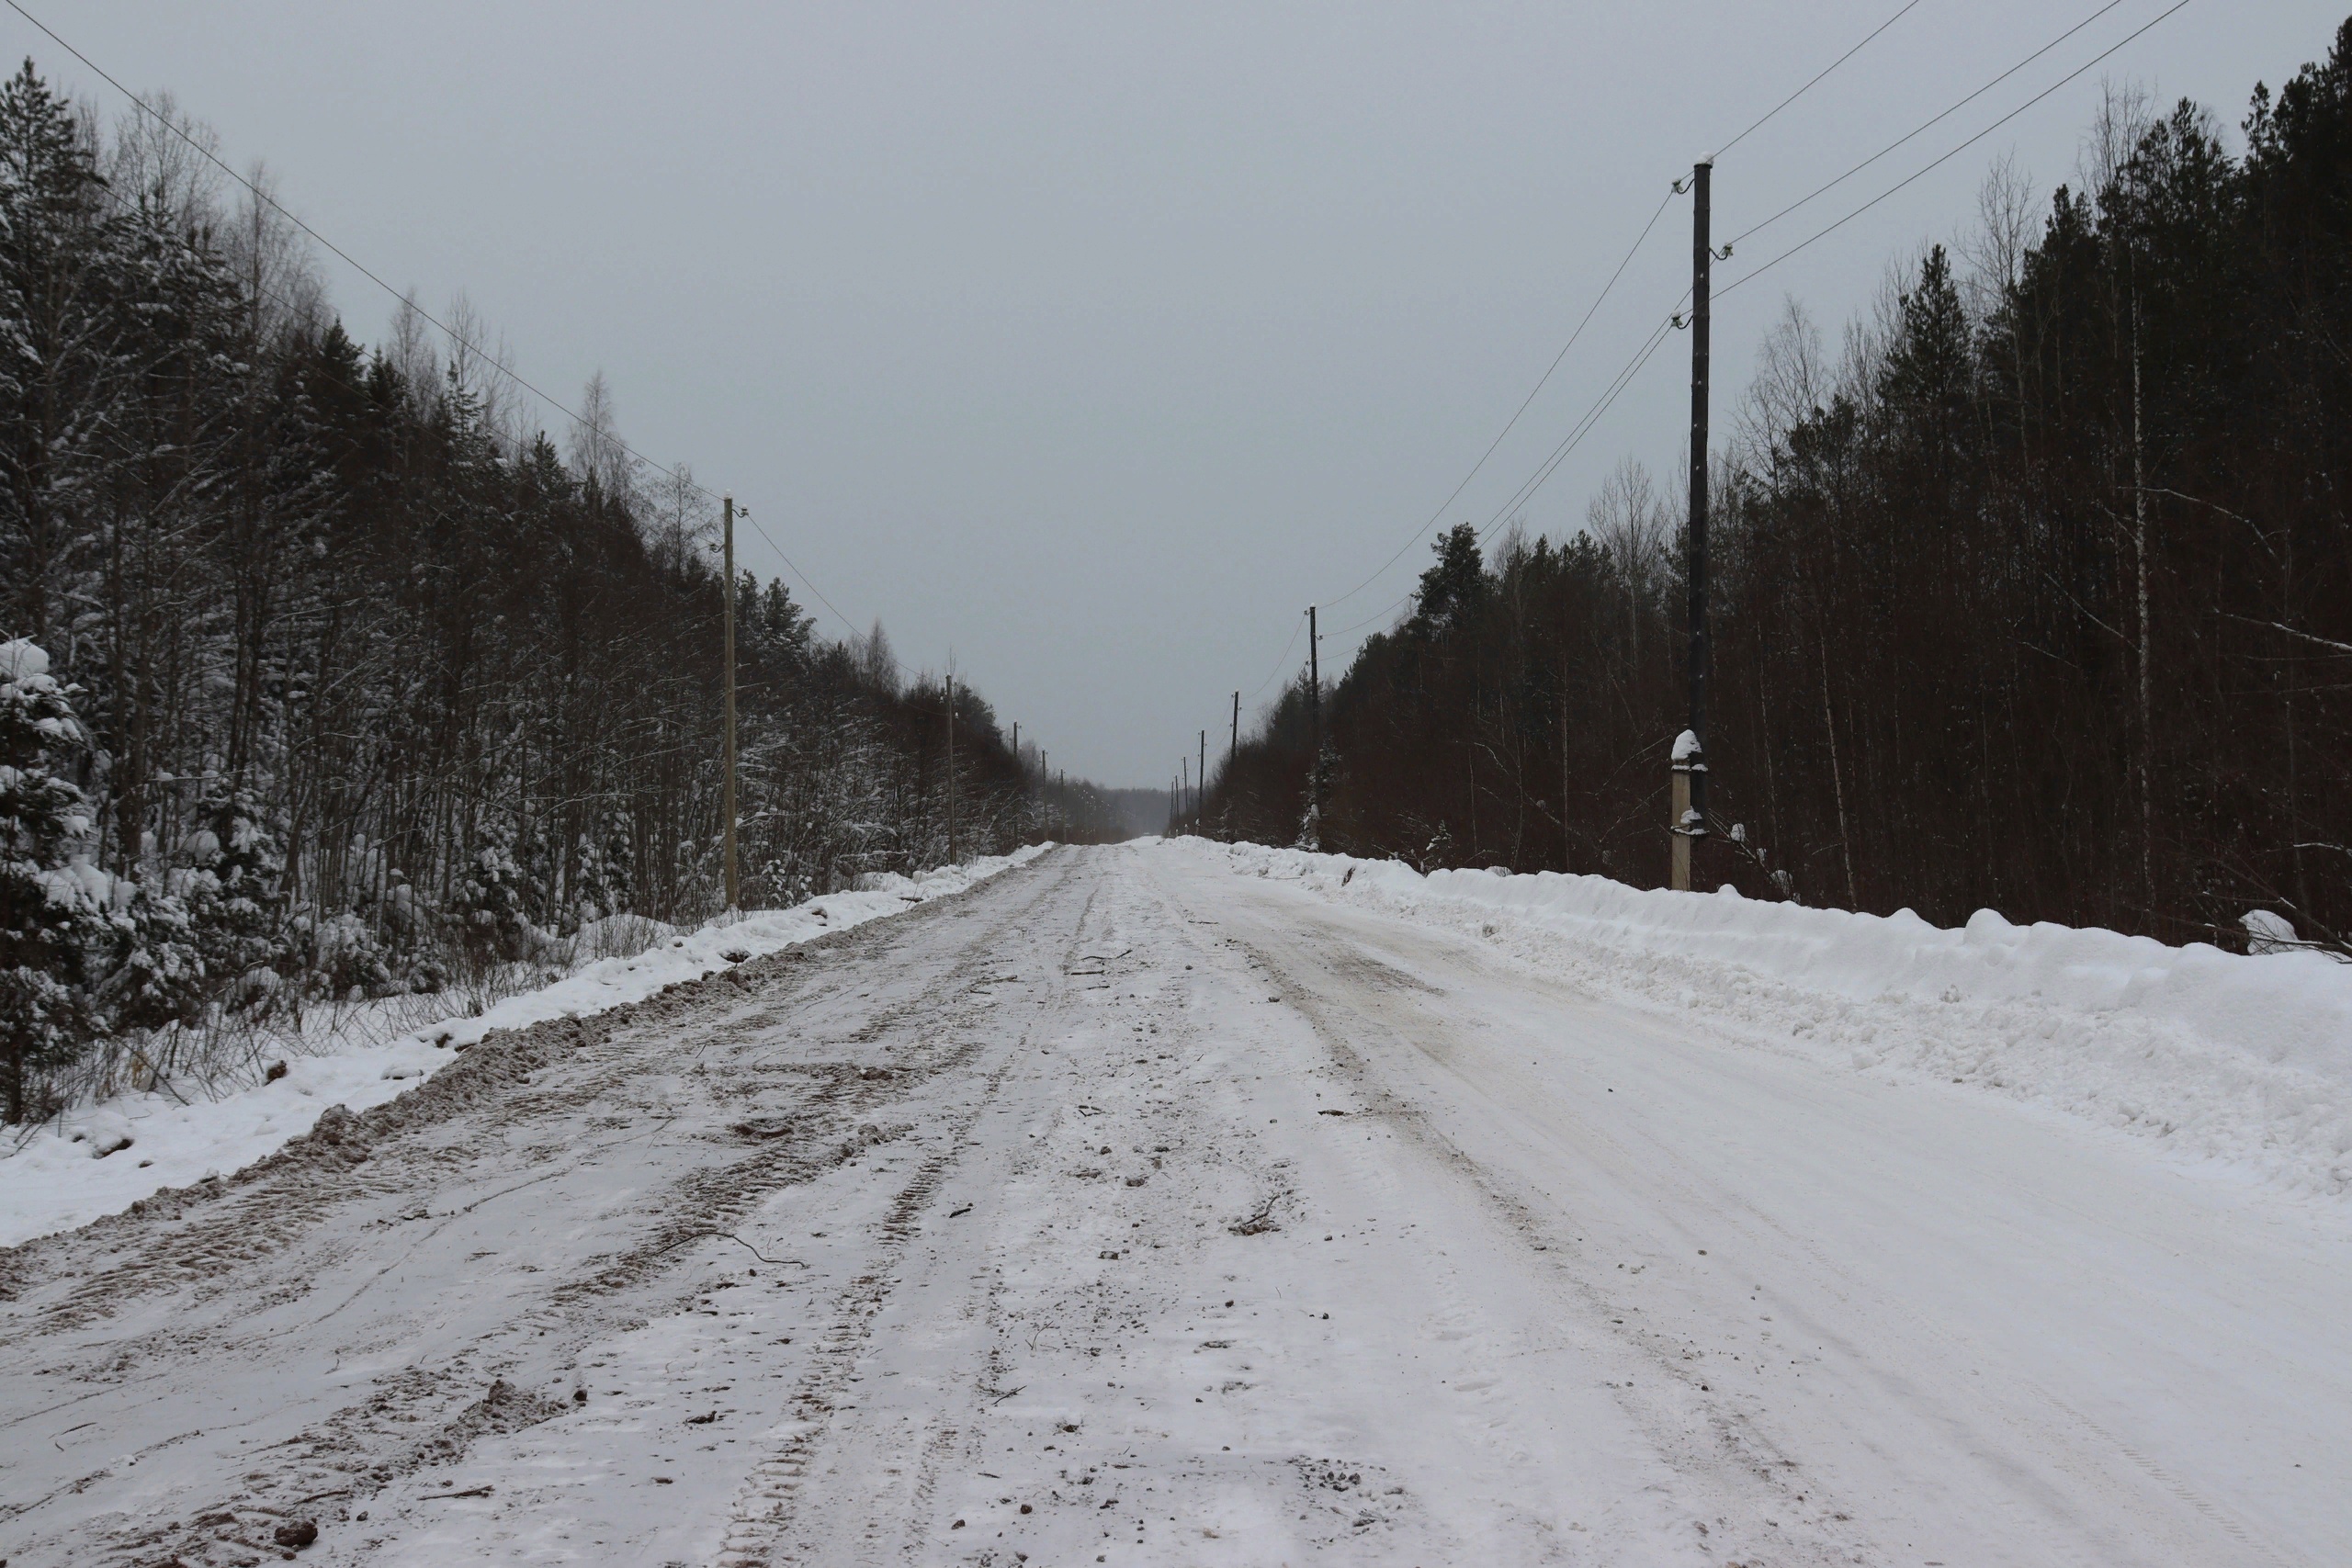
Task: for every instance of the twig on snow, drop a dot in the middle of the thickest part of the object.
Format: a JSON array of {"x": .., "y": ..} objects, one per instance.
[{"x": 731, "y": 1235}]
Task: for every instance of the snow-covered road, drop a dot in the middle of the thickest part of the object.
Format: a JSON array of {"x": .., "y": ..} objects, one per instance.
[{"x": 1126, "y": 1210}]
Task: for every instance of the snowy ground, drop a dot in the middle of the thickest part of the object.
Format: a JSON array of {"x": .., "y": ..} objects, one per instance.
[
  {"x": 98, "y": 1159},
  {"x": 2216, "y": 1057},
  {"x": 1135, "y": 1208}
]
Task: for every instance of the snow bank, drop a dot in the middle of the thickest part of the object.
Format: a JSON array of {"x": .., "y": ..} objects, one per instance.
[
  {"x": 2243, "y": 1058},
  {"x": 102, "y": 1158}
]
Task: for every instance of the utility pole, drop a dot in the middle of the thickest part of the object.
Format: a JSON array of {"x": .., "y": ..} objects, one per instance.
[
  {"x": 1315, "y": 714},
  {"x": 1232, "y": 759},
  {"x": 1184, "y": 788},
  {"x": 727, "y": 507},
  {"x": 1691, "y": 747},
  {"x": 951, "y": 767},
  {"x": 1565, "y": 857},
  {"x": 1200, "y": 801}
]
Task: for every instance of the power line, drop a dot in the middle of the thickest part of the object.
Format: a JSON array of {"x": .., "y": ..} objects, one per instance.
[
  {"x": 1284, "y": 658},
  {"x": 1658, "y": 337},
  {"x": 1751, "y": 275},
  {"x": 1512, "y": 424},
  {"x": 1583, "y": 427},
  {"x": 1381, "y": 614},
  {"x": 363, "y": 270},
  {"x": 1559, "y": 454},
  {"x": 1826, "y": 70},
  {"x": 1926, "y": 124},
  {"x": 1586, "y": 320},
  {"x": 354, "y": 263},
  {"x": 744, "y": 514}
]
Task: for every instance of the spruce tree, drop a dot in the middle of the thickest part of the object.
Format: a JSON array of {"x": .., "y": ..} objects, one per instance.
[{"x": 52, "y": 913}]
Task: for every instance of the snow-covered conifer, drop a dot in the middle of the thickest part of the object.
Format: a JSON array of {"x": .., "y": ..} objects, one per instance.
[{"x": 52, "y": 910}]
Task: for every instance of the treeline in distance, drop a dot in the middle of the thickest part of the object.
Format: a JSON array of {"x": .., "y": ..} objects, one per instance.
[
  {"x": 2034, "y": 594},
  {"x": 326, "y": 673}
]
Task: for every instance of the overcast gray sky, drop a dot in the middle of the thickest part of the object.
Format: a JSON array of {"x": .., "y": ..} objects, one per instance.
[{"x": 1093, "y": 342}]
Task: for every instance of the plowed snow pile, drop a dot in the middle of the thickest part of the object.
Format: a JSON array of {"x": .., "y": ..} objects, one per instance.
[
  {"x": 2221, "y": 1055},
  {"x": 97, "y": 1160}
]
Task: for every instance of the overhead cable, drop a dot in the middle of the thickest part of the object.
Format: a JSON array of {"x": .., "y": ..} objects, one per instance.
[
  {"x": 1284, "y": 658},
  {"x": 365, "y": 271},
  {"x": 1512, "y": 423},
  {"x": 1926, "y": 124},
  {"x": 1586, "y": 320},
  {"x": 1826, "y": 70},
  {"x": 1752, "y": 275}
]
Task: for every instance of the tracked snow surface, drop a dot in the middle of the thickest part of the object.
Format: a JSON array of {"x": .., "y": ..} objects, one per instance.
[
  {"x": 97, "y": 1159},
  {"x": 1175, "y": 1204}
]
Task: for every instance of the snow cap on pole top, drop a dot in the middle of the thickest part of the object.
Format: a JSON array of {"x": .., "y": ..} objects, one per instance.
[
  {"x": 1703, "y": 161},
  {"x": 1686, "y": 746}
]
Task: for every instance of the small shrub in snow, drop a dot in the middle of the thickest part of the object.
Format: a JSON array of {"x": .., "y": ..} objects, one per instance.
[{"x": 2267, "y": 932}]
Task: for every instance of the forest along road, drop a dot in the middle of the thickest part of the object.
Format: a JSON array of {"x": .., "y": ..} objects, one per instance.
[{"x": 1126, "y": 1210}]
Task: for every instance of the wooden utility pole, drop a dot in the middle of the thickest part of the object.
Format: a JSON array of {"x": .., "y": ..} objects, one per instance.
[
  {"x": 1184, "y": 788},
  {"x": 727, "y": 509},
  {"x": 1315, "y": 714},
  {"x": 1200, "y": 801},
  {"x": 1689, "y": 761},
  {"x": 951, "y": 767}
]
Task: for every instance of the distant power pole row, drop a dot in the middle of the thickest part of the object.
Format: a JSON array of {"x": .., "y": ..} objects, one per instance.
[{"x": 1689, "y": 826}]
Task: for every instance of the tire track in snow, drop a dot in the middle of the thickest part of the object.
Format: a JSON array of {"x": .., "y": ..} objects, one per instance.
[
  {"x": 261, "y": 1238},
  {"x": 1738, "y": 1476},
  {"x": 766, "y": 1510}
]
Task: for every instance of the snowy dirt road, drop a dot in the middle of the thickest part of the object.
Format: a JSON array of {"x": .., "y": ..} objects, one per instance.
[{"x": 1126, "y": 1210}]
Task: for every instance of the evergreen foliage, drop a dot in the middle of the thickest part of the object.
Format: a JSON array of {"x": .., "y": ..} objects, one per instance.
[
  {"x": 362, "y": 685},
  {"x": 2038, "y": 598}
]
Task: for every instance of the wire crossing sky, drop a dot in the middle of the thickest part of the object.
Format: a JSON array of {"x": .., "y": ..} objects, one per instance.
[{"x": 1094, "y": 342}]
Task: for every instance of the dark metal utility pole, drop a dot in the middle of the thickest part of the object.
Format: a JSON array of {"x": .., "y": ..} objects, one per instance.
[
  {"x": 951, "y": 768},
  {"x": 1232, "y": 760},
  {"x": 727, "y": 506},
  {"x": 1315, "y": 713},
  {"x": 1690, "y": 749}
]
